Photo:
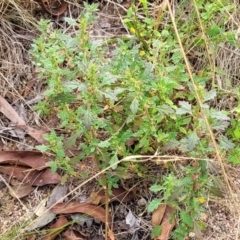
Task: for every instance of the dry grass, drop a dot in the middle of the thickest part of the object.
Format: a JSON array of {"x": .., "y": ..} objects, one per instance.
[{"x": 17, "y": 27}]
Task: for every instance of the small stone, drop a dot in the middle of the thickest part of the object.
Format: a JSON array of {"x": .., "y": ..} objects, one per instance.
[
  {"x": 192, "y": 235},
  {"x": 142, "y": 202}
]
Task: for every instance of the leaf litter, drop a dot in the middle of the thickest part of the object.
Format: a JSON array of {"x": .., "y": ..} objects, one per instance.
[
  {"x": 164, "y": 216},
  {"x": 12, "y": 115},
  {"x": 87, "y": 208}
]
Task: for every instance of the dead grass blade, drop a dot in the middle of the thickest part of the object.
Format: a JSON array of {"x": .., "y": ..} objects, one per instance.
[{"x": 162, "y": 7}]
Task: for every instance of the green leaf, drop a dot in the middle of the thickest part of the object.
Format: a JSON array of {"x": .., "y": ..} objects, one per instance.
[
  {"x": 197, "y": 229},
  {"x": 219, "y": 125},
  {"x": 104, "y": 144},
  {"x": 184, "y": 109},
  {"x": 134, "y": 105},
  {"x": 193, "y": 140},
  {"x": 71, "y": 141},
  {"x": 165, "y": 109},
  {"x": 225, "y": 143},
  {"x": 156, "y": 231},
  {"x": 219, "y": 115},
  {"x": 108, "y": 78},
  {"x": 237, "y": 109},
  {"x": 64, "y": 116},
  {"x": 112, "y": 94},
  {"x": 172, "y": 144},
  {"x": 154, "y": 204},
  {"x": 88, "y": 118},
  {"x": 53, "y": 166},
  {"x": 236, "y": 133},
  {"x": 186, "y": 218},
  {"x": 113, "y": 161},
  {"x": 156, "y": 188},
  {"x": 234, "y": 157},
  {"x": 64, "y": 98},
  {"x": 214, "y": 30},
  {"x": 126, "y": 136},
  {"x": 183, "y": 146},
  {"x": 74, "y": 84},
  {"x": 71, "y": 42},
  {"x": 42, "y": 148},
  {"x": 70, "y": 21},
  {"x": 144, "y": 3},
  {"x": 210, "y": 95}
]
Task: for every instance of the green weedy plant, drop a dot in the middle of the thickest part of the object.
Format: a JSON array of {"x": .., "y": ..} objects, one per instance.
[{"x": 136, "y": 99}]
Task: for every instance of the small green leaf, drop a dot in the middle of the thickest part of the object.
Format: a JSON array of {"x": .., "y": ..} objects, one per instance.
[
  {"x": 183, "y": 146},
  {"x": 69, "y": 169},
  {"x": 113, "y": 161},
  {"x": 134, "y": 105},
  {"x": 64, "y": 98},
  {"x": 219, "y": 125},
  {"x": 198, "y": 228},
  {"x": 88, "y": 118},
  {"x": 225, "y": 143},
  {"x": 172, "y": 144},
  {"x": 186, "y": 218},
  {"x": 74, "y": 84},
  {"x": 184, "y": 109},
  {"x": 236, "y": 133},
  {"x": 53, "y": 166},
  {"x": 154, "y": 204},
  {"x": 104, "y": 144},
  {"x": 144, "y": 3},
  {"x": 219, "y": 115},
  {"x": 210, "y": 95},
  {"x": 156, "y": 231},
  {"x": 112, "y": 94},
  {"x": 235, "y": 156},
  {"x": 156, "y": 188},
  {"x": 42, "y": 148},
  {"x": 214, "y": 30},
  {"x": 71, "y": 140},
  {"x": 234, "y": 159},
  {"x": 165, "y": 109},
  {"x": 193, "y": 140},
  {"x": 70, "y": 21}
]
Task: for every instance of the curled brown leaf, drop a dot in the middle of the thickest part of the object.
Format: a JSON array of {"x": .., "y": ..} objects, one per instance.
[
  {"x": 90, "y": 209},
  {"x": 31, "y": 159},
  {"x": 31, "y": 177}
]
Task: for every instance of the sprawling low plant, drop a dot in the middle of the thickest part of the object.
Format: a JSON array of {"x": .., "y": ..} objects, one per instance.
[{"x": 134, "y": 99}]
